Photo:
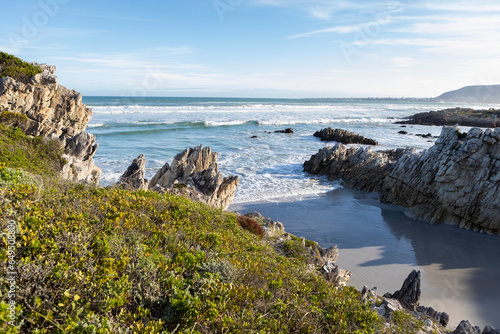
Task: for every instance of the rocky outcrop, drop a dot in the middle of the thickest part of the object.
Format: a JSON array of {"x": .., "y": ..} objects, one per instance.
[
  {"x": 407, "y": 299},
  {"x": 457, "y": 116},
  {"x": 409, "y": 294},
  {"x": 133, "y": 178},
  {"x": 79, "y": 151},
  {"x": 359, "y": 168},
  {"x": 343, "y": 136},
  {"x": 194, "y": 174},
  {"x": 51, "y": 108},
  {"x": 318, "y": 257},
  {"x": 456, "y": 181},
  {"x": 54, "y": 112},
  {"x": 465, "y": 327}
]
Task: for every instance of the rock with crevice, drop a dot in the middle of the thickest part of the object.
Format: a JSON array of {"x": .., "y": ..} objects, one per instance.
[
  {"x": 359, "y": 168},
  {"x": 343, "y": 136},
  {"x": 57, "y": 113},
  {"x": 78, "y": 152},
  {"x": 456, "y": 181},
  {"x": 194, "y": 174},
  {"x": 133, "y": 177}
]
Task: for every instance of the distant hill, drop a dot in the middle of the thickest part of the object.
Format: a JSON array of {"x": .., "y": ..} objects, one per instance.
[{"x": 485, "y": 94}]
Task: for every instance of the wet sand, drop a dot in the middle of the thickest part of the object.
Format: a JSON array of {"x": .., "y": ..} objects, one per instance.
[{"x": 380, "y": 245}]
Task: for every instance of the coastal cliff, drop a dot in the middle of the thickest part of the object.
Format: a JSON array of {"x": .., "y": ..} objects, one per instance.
[
  {"x": 53, "y": 111},
  {"x": 456, "y": 181}
]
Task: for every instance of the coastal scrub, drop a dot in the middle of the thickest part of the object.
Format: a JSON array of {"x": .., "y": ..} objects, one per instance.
[
  {"x": 11, "y": 66},
  {"x": 108, "y": 260}
]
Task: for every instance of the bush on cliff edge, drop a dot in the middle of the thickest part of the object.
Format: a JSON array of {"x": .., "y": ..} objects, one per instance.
[{"x": 11, "y": 66}]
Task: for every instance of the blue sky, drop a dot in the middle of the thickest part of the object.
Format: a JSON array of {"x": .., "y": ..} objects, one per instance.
[{"x": 259, "y": 48}]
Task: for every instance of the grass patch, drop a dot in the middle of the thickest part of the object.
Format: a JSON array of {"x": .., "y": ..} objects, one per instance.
[
  {"x": 16, "y": 68},
  {"x": 34, "y": 155}
]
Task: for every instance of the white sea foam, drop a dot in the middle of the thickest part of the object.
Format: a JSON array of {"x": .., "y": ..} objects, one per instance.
[{"x": 269, "y": 166}]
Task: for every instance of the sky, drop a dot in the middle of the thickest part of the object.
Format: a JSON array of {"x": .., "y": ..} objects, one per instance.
[{"x": 259, "y": 48}]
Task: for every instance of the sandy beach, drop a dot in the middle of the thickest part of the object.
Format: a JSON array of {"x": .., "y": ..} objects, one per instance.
[{"x": 380, "y": 245}]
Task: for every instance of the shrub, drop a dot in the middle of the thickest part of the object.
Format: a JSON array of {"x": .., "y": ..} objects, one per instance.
[
  {"x": 251, "y": 225},
  {"x": 10, "y": 118},
  {"x": 11, "y": 177},
  {"x": 34, "y": 155},
  {"x": 13, "y": 67}
]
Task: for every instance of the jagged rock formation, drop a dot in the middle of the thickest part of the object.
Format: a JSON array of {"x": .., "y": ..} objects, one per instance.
[
  {"x": 133, "y": 178},
  {"x": 456, "y": 181},
  {"x": 360, "y": 168},
  {"x": 194, "y": 174},
  {"x": 79, "y": 151},
  {"x": 343, "y": 136},
  {"x": 409, "y": 294},
  {"x": 54, "y": 112}
]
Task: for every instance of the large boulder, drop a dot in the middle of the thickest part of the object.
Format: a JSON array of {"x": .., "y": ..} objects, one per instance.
[
  {"x": 456, "y": 181},
  {"x": 194, "y": 173},
  {"x": 343, "y": 136}
]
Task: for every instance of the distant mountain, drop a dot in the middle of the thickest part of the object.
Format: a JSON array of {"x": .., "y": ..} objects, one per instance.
[{"x": 485, "y": 94}]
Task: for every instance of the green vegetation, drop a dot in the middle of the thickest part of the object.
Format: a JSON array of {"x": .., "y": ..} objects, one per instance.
[
  {"x": 34, "y": 155},
  {"x": 11, "y": 66},
  {"x": 477, "y": 113},
  {"x": 107, "y": 260}
]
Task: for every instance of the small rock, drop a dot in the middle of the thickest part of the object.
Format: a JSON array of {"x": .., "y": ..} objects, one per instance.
[
  {"x": 343, "y": 136},
  {"x": 403, "y": 132},
  {"x": 289, "y": 130}
]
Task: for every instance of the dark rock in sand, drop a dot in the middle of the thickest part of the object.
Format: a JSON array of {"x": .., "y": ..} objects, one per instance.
[
  {"x": 409, "y": 294},
  {"x": 133, "y": 178},
  {"x": 343, "y": 136},
  {"x": 289, "y": 130},
  {"x": 403, "y": 132},
  {"x": 253, "y": 137},
  {"x": 194, "y": 174},
  {"x": 457, "y": 116}
]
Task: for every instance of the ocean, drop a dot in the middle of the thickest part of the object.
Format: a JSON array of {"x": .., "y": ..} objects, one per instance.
[
  {"x": 269, "y": 166},
  {"x": 378, "y": 243}
]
